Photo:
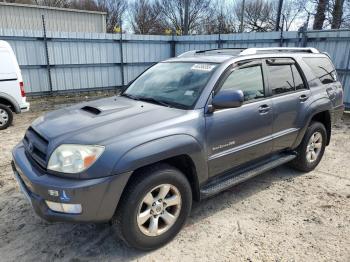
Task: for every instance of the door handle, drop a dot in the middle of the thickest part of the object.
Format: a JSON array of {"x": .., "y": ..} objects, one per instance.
[
  {"x": 303, "y": 98},
  {"x": 263, "y": 109}
]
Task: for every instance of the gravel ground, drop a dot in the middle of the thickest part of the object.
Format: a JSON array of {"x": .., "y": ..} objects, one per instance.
[{"x": 282, "y": 215}]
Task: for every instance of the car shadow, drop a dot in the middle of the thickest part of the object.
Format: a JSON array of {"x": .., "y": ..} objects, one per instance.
[
  {"x": 80, "y": 242},
  {"x": 240, "y": 192}
]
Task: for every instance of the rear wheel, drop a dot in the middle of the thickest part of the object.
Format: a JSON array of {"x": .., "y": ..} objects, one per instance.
[
  {"x": 311, "y": 149},
  {"x": 153, "y": 208},
  {"x": 6, "y": 117}
]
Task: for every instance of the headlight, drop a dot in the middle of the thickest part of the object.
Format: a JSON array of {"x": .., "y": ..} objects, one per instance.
[{"x": 74, "y": 158}]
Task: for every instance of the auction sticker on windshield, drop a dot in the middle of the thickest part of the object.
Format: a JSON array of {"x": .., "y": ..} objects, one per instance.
[{"x": 203, "y": 67}]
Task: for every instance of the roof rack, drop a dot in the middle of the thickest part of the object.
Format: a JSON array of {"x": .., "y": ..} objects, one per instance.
[
  {"x": 253, "y": 51},
  {"x": 214, "y": 51},
  {"x": 249, "y": 51}
]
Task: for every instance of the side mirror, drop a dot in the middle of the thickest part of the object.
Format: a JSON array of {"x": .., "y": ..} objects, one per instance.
[{"x": 228, "y": 99}]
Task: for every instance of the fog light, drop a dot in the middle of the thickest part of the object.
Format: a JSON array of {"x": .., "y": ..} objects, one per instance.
[
  {"x": 53, "y": 192},
  {"x": 64, "y": 208}
]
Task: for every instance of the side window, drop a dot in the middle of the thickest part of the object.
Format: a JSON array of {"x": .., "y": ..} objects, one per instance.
[
  {"x": 322, "y": 68},
  {"x": 6, "y": 65},
  {"x": 281, "y": 79},
  {"x": 298, "y": 81},
  {"x": 249, "y": 80}
]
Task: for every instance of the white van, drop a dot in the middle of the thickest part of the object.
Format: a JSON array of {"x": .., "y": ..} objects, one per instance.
[{"x": 12, "y": 94}]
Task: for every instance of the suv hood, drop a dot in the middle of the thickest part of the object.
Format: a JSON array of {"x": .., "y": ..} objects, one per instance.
[{"x": 102, "y": 119}]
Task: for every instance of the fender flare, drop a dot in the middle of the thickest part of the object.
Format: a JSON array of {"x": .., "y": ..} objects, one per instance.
[
  {"x": 164, "y": 148},
  {"x": 12, "y": 101},
  {"x": 319, "y": 106}
]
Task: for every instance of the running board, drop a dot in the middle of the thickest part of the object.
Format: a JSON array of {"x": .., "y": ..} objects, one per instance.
[{"x": 226, "y": 181}]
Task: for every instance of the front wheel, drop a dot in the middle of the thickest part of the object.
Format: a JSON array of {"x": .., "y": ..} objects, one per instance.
[
  {"x": 311, "y": 149},
  {"x": 153, "y": 208}
]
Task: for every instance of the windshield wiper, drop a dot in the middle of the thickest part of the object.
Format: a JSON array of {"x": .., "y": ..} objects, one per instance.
[
  {"x": 130, "y": 96},
  {"x": 154, "y": 101}
]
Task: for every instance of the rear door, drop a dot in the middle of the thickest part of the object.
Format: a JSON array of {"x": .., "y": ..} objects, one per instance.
[
  {"x": 290, "y": 97},
  {"x": 236, "y": 136}
]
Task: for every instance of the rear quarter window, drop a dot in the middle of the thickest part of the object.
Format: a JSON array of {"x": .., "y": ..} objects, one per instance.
[{"x": 322, "y": 68}]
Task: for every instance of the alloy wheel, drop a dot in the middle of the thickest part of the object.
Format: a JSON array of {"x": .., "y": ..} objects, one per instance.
[
  {"x": 159, "y": 210},
  {"x": 314, "y": 147}
]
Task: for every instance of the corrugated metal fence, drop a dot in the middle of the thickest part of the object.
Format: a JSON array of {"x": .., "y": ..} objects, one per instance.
[{"x": 92, "y": 61}]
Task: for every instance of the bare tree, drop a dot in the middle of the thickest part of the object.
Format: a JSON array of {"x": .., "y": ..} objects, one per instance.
[
  {"x": 220, "y": 19},
  {"x": 346, "y": 16},
  {"x": 258, "y": 15},
  {"x": 292, "y": 10},
  {"x": 53, "y": 3},
  {"x": 320, "y": 15},
  {"x": 90, "y": 5},
  {"x": 173, "y": 13},
  {"x": 337, "y": 14},
  {"x": 115, "y": 10},
  {"x": 332, "y": 14},
  {"x": 146, "y": 17}
]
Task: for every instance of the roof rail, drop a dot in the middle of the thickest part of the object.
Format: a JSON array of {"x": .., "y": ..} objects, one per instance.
[
  {"x": 214, "y": 51},
  {"x": 188, "y": 53},
  {"x": 253, "y": 51}
]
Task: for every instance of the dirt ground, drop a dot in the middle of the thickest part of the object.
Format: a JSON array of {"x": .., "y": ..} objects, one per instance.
[{"x": 282, "y": 215}]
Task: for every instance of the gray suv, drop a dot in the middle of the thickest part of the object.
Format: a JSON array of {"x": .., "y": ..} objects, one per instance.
[{"x": 186, "y": 129}]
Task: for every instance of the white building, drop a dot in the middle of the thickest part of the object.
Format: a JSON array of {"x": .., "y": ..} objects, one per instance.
[{"x": 29, "y": 17}]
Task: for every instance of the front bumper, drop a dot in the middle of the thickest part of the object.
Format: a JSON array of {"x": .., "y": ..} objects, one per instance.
[{"x": 98, "y": 197}]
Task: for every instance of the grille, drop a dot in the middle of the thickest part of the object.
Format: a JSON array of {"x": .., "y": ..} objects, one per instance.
[{"x": 36, "y": 147}]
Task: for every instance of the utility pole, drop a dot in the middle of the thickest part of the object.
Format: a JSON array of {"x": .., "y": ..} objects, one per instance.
[
  {"x": 242, "y": 16},
  {"x": 186, "y": 20},
  {"x": 121, "y": 53},
  {"x": 279, "y": 11}
]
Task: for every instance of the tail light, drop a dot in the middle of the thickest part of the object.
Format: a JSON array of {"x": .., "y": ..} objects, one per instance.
[{"x": 23, "y": 92}]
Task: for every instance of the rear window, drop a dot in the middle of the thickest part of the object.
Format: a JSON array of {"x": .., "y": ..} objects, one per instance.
[
  {"x": 7, "y": 68},
  {"x": 322, "y": 68},
  {"x": 6, "y": 63},
  {"x": 284, "y": 79}
]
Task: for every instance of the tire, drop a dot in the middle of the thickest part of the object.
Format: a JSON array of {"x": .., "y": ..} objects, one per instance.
[
  {"x": 130, "y": 226},
  {"x": 6, "y": 117},
  {"x": 303, "y": 162}
]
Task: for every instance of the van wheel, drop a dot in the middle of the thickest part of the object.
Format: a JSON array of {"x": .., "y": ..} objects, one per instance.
[
  {"x": 311, "y": 149},
  {"x": 153, "y": 207},
  {"x": 6, "y": 117}
]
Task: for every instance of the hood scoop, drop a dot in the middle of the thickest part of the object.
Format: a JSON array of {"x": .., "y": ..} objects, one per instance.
[
  {"x": 92, "y": 110},
  {"x": 100, "y": 109}
]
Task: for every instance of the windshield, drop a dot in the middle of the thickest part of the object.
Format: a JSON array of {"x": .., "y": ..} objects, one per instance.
[{"x": 171, "y": 84}]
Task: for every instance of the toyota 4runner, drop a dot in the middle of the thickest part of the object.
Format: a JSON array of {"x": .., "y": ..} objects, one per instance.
[{"x": 186, "y": 129}]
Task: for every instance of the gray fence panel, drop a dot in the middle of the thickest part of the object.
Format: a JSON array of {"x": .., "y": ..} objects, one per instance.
[
  {"x": 35, "y": 80},
  {"x": 132, "y": 71},
  {"x": 90, "y": 61},
  {"x": 145, "y": 48},
  {"x": 200, "y": 42}
]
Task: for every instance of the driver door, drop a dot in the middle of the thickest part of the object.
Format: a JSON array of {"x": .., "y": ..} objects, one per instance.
[{"x": 236, "y": 136}]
